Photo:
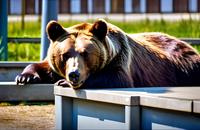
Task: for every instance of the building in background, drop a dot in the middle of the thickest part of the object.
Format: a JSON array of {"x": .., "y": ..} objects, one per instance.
[{"x": 108, "y": 6}]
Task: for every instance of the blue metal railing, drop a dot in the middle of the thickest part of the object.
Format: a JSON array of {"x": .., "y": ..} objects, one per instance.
[
  {"x": 49, "y": 12},
  {"x": 3, "y": 30}
]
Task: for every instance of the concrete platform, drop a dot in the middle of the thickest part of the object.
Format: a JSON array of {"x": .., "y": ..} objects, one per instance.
[
  {"x": 132, "y": 108},
  {"x": 9, "y": 91}
]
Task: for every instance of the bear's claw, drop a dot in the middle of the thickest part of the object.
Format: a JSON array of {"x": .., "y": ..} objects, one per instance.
[
  {"x": 63, "y": 83},
  {"x": 22, "y": 79}
]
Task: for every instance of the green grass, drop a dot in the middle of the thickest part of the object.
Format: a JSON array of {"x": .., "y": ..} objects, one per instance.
[
  {"x": 31, "y": 29},
  {"x": 183, "y": 28},
  {"x": 23, "y": 52},
  {"x": 30, "y": 52}
]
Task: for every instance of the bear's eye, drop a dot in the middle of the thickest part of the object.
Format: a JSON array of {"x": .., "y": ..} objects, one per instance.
[
  {"x": 65, "y": 56},
  {"x": 84, "y": 54}
]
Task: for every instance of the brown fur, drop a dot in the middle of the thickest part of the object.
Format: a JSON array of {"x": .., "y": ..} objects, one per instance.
[
  {"x": 102, "y": 55},
  {"x": 161, "y": 59}
]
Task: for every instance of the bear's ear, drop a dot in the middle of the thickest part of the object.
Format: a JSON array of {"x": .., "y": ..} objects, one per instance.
[
  {"x": 99, "y": 29},
  {"x": 54, "y": 30}
]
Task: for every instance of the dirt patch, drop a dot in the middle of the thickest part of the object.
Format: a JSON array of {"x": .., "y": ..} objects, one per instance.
[{"x": 27, "y": 117}]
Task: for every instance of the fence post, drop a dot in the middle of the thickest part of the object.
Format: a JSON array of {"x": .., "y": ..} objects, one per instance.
[
  {"x": 49, "y": 12},
  {"x": 3, "y": 29}
]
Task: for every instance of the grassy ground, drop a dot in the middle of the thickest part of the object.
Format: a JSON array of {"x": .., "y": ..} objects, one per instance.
[
  {"x": 31, "y": 52},
  {"x": 23, "y": 52},
  {"x": 183, "y": 28}
]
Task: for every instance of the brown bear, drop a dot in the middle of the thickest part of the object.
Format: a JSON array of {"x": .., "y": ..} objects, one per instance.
[{"x": 100, "y": 55}]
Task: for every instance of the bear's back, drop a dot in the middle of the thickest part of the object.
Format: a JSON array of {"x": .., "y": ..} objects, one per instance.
[
  {"x": 184, "y": 60},
  {"x": 163, "y": 43}
]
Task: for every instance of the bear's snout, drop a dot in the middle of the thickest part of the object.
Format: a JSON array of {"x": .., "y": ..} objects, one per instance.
[{"x": 74, "y": 76}]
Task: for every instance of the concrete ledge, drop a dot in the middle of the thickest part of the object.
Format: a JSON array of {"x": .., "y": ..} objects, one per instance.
[
  {"x": 130, "y": 108},
  {"x": 196, "y": 106},
  {"x": 97, "y": 95},
  {"x": 174, "y": 98},
  {"x": 14, "y": 64},
  {"x": 9, "y": 70},
  {"x": 9, "y": 91}
]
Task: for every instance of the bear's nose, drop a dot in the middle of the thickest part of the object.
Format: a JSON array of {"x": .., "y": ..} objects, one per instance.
[{"x": 74, "y": 76}]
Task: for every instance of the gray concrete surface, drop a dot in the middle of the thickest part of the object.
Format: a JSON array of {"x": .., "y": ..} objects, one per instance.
[
  {"x": 172, "y": 98},
  {"x": 9, "y": 91},
  {"x": 118, "y": 17},
  {"x": 9, "y": 70},
  {"x": 127, "y": 108}
]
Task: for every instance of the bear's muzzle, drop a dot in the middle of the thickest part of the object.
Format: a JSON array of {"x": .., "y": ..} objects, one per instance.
[{"x": 74, "y": 76}]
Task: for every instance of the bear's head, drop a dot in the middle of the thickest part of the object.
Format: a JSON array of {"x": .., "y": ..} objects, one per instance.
[{"x": 78, "y": 51}]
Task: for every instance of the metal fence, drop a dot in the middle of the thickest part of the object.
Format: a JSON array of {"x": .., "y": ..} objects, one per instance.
[{"x": 193, "y": 41}]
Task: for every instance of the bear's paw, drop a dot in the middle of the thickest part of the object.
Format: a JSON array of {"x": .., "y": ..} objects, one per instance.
[
  {"x": 27, "y": 78},
  {"x": 63, "y": 83}
]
